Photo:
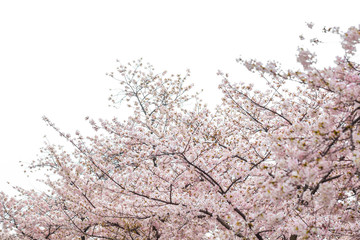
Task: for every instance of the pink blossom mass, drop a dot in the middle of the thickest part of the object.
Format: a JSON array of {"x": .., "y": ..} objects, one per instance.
[{"x": 281, "y": 162}]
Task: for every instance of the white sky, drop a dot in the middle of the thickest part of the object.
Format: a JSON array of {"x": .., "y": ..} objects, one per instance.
[{"x": 54, "y": 55}]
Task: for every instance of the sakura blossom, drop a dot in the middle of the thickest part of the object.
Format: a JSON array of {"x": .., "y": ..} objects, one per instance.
[{"x": 267, "y": 163}]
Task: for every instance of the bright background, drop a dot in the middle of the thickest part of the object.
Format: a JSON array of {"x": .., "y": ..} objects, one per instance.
[{"x": 54, "y": 55}]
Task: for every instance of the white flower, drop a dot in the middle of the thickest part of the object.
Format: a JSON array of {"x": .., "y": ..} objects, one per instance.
[
  {"x": 310, "y": 25},
  {"x": 356, "y": 158}
]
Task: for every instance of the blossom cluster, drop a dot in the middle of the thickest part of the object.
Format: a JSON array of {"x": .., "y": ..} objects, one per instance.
[{"x": 277, "y": 163}]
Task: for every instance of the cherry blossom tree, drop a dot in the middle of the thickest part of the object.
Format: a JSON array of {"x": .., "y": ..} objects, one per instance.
[{"x": 275, "y": 163}]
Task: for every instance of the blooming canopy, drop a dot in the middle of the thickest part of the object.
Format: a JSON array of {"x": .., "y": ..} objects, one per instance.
[{"x": 270, "y": 164}]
